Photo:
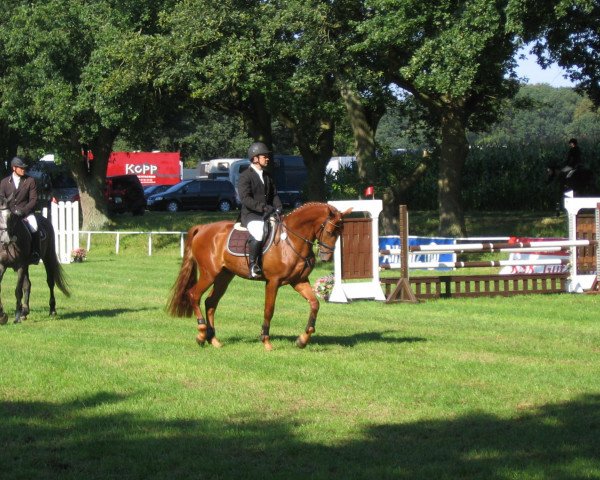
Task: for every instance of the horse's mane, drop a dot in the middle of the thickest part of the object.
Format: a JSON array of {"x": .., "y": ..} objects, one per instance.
[{"x": 307, "y": 205}]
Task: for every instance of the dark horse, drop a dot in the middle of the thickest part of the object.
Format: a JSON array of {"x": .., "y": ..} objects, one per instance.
[
  {"x": 15, "y": 243},
  {"x": 581, "y": 180},
  {"x": 289, "y": 260}
]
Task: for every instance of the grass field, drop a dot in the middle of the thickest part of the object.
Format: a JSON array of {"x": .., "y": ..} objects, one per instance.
[{"x": 114, "y": 388}]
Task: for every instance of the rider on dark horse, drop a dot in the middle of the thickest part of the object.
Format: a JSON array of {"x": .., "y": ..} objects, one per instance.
[
  {"x": 21, "y": 189},
  {"x": 573, "y": 161},
  {"x": 259, "y": 198}
]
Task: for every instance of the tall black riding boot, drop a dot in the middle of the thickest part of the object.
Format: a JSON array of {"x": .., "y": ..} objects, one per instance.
[
  {"x": 35, "y": 248},
  {"x": 254, "y": 253}
]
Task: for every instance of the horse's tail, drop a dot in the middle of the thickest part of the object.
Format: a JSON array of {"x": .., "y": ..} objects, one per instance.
[
  {"x": 180, "y": 305},
  {"x": 54, "y": 270}
]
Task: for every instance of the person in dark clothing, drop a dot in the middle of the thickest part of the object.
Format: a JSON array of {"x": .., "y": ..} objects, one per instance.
[
  {"x": 23, "y": 201},
  {"x": 573, "y": 158},
  {"x": 258, "y": 195}
]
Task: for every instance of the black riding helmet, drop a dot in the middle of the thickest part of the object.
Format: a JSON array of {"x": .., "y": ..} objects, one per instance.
[
  {"x": 256, "y": 149},
  {"x": 17, "y": 162}
]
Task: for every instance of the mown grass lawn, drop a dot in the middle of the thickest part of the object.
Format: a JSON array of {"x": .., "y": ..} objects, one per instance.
[{"x": 459, "y": 388}]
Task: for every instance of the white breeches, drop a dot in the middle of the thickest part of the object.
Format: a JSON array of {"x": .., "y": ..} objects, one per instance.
[
  {"x": 31, "y": 222},
  {"x": 256, "y": 228}
]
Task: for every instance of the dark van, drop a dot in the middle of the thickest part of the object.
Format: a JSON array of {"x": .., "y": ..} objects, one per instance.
[
  {"x": 290, "y": 176},
  {"x": 195, "y": 195},
  {"x": 124, "y": 193}
]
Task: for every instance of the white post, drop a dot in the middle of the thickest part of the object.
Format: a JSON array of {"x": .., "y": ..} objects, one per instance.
[
  {"x": 578, "y": 283},
  {"x": 342, "y": 292}
]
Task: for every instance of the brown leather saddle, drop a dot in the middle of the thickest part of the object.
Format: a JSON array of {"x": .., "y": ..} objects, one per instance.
[{"x": 237, "y": 242}]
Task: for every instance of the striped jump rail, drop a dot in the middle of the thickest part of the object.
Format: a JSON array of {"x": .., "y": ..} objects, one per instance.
[
  {"x": 501, "y": 247},
  {"x": 485, "y": 263}
]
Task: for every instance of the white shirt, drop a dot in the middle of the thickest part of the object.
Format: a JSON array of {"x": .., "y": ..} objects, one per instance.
[
  {"x": 16, "y": 180},
  {"x": 259, "y": 171}
]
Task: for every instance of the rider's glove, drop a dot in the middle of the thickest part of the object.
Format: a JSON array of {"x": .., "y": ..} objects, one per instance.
[
  {"x": 18, "y": 212},
  {"x": 278, "y": 210},
  {"x": 268, "y": 210}
]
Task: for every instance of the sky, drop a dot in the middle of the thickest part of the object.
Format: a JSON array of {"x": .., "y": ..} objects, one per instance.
[{"x": 553, "y": 75}]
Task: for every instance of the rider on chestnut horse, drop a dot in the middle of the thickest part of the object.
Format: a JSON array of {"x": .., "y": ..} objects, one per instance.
[{"x": 259, "y": 198}]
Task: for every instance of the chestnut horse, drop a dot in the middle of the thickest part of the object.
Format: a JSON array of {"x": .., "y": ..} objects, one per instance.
[{"x": 289, "y": 260}]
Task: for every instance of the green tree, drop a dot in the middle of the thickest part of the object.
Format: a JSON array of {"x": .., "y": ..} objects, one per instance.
[
  {"x": 453, "y": 57},
  {"x": 269, "y": 61},
  {"x": 77, "y": 73},
  {"x": 538, "y": 113},
  {"x": 568, "y": 32}
]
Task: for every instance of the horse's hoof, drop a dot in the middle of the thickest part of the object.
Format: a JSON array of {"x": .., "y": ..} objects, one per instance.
[
  {"x": 201, "y": 337},
  {"x": 215, "y": 343},
  {"x": 3, "y": 318},
  {"x": 17, "y": 320},
  {"x": 300, "y": 343},
  {"x": 52, "y": 313},
  {"x": 267, "y": 343}
]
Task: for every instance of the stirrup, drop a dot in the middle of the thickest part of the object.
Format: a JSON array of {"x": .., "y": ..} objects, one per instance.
[{"x": 255, "y": 271}]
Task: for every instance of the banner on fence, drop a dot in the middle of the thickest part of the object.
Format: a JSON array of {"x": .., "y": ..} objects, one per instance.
[
  {"x": 535, "y": 269},
  {"x": 392, "y": 242}
]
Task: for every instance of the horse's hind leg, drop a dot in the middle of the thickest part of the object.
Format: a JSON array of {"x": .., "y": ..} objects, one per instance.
[
  {"x": 51, "y": 283},
  {"x": 195, "y": 294},
  {"x": 3, "y": 315},
  {"x": 306, "y": 291},
  {"x": 212, "y": 301}
]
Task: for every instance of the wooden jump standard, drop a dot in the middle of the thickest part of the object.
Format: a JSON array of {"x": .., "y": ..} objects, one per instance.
[{"x": 410, "y": 289}]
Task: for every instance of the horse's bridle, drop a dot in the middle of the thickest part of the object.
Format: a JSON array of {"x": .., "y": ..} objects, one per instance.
[{"x": 320, "y": 243}]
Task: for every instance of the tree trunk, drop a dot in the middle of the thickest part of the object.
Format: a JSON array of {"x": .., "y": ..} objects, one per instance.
[
  {"x": 364, "y": 125},
  {"x": 9, "y": 142},
  {"x": 315, "y": 167},
  {"x": 91, "y": 180},
  {"x": 257, "y": 119},
  {"x": 316, "y": 161},
  {"x": 395, "y": 195},
  {"x": 389, "y": 214},
  {"x": 453, "y": 153}
]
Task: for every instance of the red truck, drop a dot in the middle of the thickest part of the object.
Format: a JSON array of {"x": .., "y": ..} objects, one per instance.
[{"x": 152, "y": 168}]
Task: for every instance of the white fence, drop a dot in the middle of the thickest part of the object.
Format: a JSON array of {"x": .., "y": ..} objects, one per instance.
[
  {"x": 65, "y": 220},
  {"x": 119, "y": 234}
]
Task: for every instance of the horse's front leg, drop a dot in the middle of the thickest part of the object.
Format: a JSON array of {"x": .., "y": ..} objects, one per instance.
[
  {"x": 3, "y": 315},
  {"x": 22, "y": 292},
  {"x": 304, "y": 289},
  {"x": 271, "y": 289}
]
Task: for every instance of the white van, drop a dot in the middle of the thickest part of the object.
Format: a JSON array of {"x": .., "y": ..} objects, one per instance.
[{"x": 217, "y": 168}]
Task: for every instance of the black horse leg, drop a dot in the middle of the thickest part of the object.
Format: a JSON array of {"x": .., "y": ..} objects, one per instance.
[
  {"x": 50, "y": 281},
  {"x": 3, "y": 315},
  {"x": 22, "y": 291}
]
